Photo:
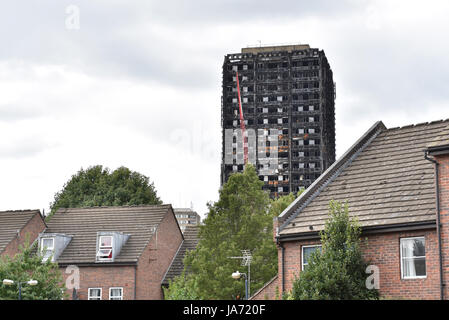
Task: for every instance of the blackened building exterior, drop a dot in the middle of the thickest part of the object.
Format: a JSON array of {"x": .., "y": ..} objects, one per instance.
[{"x": 288, "y": 104}]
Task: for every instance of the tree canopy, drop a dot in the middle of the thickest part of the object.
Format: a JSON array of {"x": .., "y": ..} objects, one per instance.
[
  {"x": 98, "y": 186},
  {"x": 27, "y": 265},
  {"x": 337, "y": 272},
  {"x": 242, "y": 219}
]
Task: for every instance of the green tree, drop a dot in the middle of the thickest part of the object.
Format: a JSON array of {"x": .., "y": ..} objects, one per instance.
[
  {"x": 26, "y": 265},
  {"x": 182, "y": 287},
  {"x": 337, "y": 272},
  {"x": 241, "y": 219},
  {"x": 97, "y": 186}
]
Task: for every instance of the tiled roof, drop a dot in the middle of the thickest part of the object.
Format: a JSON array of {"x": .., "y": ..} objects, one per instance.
[
  {"x": 441, "y": 140},
  {"x": 83, "y": 224},
  {"x": 386, "y": 181},
  {"x": 190, "y": 242},
  {"x": 11, "y": 222}
]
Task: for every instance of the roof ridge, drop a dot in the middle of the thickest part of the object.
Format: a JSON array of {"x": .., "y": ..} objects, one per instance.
[
  {"x": 329, "y": 175},
  {"x": 418, "y": 124},
  {"x": 19, "y": 211},
  {"x": 117, "y": 207}
]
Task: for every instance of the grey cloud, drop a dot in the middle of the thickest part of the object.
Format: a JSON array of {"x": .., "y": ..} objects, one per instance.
[
  {"x": 104, "y": 43},
  {"x": 22, "y": 148},
  {"x": 12, "y": 113}
]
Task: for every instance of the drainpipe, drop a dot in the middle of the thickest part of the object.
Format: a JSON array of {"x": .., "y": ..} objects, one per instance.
[
  {"x": 282, "y": 264},
  {"x": 437, "y": 190},
  {"x": 135, "y": 282}
]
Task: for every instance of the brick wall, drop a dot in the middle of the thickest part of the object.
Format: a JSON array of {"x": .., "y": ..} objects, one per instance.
[
  {"x": 292, "y": 262},
  {"x": 382, "y": 250},
  {"x": 157, "y": 257},
  {"x": 104, "y": 277},
  {"x": 30, "y": 231},
  {"x": 271, "y": 291},
  {"x": 443, "y": 181}
]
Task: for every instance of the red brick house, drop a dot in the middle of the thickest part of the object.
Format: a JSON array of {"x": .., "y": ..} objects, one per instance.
[
  {"x": 396, "y": 182},
  {"x": 18, "y": 226},
  {"x": 120, "y": 252}
]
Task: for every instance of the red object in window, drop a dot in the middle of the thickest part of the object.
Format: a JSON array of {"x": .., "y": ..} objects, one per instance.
[{"x": 306, "y": 136}]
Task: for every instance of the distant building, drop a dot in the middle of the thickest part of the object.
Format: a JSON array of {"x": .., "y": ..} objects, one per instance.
[
  {"x": 187, "y": 217},
  {"x": 287, "y": 96}
]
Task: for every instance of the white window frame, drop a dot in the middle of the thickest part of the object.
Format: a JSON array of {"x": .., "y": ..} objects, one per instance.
[
  {"x": 89, "y": 297},
  {"x": 400, "y": 253},
  {"x": 121, "y": 291},
  {"x": 302, "y": 253},
  {"x": 100, "y": 247},
  {"x": 52, "y": 249}
]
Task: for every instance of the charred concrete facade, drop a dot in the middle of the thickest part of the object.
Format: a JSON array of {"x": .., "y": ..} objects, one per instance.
[{"x": 287, "y": 91}]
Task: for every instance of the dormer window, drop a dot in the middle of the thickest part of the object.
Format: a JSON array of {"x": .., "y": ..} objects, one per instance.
[
  {"x": 109, "y": 245},
  {"x": 47, "y": 249},
  {"x": 104, "y": 248}
]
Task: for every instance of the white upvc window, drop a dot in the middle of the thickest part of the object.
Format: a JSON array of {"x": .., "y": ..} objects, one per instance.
[
  {"x": 47, "y": 248},
  {"x": 265, "y": 99},
  {"x": 94, "y": 294},
  {"x": 116, "y": 293},
  {"x": 413, "y": 258},
  {"x": 105, "y": 248},
  {"x": 306, "y": 251}
]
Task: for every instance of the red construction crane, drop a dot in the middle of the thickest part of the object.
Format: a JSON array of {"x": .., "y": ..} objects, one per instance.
[{"x": 242, "y": 122}]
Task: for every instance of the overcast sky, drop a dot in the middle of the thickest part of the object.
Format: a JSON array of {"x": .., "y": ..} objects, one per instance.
[{"x": 138, "y": 83}]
